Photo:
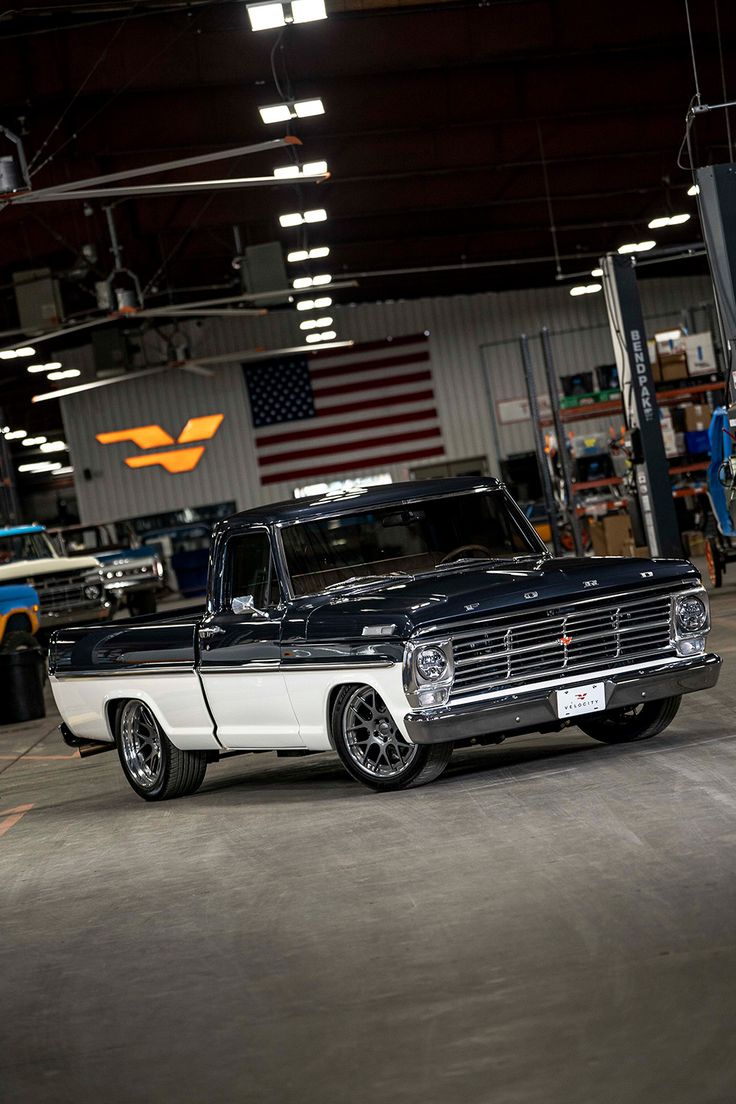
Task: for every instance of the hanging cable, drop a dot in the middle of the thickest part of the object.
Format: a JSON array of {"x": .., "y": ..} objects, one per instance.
[
  {"x": 692, "y": 51},
  {"x": 552, "y": 227},
  {"x": 723, "y": 79}
]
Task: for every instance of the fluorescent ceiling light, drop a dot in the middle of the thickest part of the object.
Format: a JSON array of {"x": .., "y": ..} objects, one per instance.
[
  {"x": 311, "y": 281},
  {"x": 302, "y": 282},
  {"x": 317, "y": 215},
  {"x": 294, "y": 219},
  {"x": 286, "y": 171},
  {"x": 50, "y": 367},
  {"x": 307, "y": 11},
  {"x": 327, "y": 335},
  {"x": 597, "y": 272},
  {"x": 585, "y": 289},
  {"x": 64, "y": 471},
  {"x": 54, "y": 446},
  {"x": 315, "y": 323},
  {"x": 314, "y": 304},
  {"x": 637, "y": 247},
  {"x": 314, "y": 168},
  {"x": 308, "y": 254},
  {"x": 304, "y": 109},
  {"x": 11, "y": 354},
  {"x": 322, "y": 279},
  {"x": 694, "y": 189},
  {"x": 667, "y": 220},
  {"x": 41, "y": 466},
  {"x": 264, "y": 17},
  {"x": 15, "y": 435},
  {"x": 70, "y": 373},
  {"x": 276, "y": 113},
  {"x": 311, "y": 168},
  {"x": 35, "y": 441},
  {"x": 292, "y": 109}
]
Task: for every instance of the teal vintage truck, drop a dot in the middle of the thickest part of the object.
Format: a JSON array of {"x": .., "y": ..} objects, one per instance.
[{"x": 19, "y": 616}]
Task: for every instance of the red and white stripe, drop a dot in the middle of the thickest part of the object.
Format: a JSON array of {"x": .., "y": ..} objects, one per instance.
[{"x": 375, "y": 406}]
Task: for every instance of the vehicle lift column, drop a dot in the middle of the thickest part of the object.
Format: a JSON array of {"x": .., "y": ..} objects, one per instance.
[{"x": 641, "y": 412}]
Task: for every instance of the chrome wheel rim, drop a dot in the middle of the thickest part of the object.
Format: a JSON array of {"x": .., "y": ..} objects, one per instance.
[
  {"x": 372, "y": 739},
  {"x": 140, "y": 743}
]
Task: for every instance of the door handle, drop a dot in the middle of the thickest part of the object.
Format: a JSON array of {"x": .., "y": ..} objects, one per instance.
[{"x": 211, "y": 630}]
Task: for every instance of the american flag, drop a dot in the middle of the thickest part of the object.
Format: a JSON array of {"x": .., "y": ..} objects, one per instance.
[{"x": 344, "y": 410}]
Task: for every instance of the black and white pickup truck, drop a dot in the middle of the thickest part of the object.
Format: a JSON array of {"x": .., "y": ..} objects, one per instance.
[{"x": 388, "y": 625}]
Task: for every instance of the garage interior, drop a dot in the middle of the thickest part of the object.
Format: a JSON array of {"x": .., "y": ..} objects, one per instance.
[{"x": 457, "y": 215}]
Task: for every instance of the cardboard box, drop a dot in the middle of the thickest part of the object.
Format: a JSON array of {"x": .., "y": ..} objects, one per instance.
[
  {"x": 672, "y": 367},
  {"x": 669, "y": 437},
  {"x": 697, "y": 417},
  {"x": 640, "y": 551},
  {"x": 611, "y": 535},
  {"x": 701, "y": 357},
  {"x": 694, "y": 543}
]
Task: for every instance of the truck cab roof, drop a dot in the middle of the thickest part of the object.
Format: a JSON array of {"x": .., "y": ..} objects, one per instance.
[{"x": 20, "y": 530}]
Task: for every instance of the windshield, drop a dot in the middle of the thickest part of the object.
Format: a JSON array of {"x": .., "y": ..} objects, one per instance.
[
  {"x": 25, "y": 546},
  {"x": 420, "y": 537}
]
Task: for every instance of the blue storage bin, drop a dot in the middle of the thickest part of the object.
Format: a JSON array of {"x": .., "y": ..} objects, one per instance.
[{"x": 697, "y": 442}]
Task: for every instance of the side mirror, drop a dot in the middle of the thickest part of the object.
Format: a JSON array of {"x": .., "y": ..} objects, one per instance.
[{"x": 245, "y": 604}]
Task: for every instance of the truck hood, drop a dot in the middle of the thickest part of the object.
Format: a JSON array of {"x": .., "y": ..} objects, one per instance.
[
  {"x": 132, "y": 556},
  {"x": 29, "y": 569},
  {"x": 469, "y": 593}
]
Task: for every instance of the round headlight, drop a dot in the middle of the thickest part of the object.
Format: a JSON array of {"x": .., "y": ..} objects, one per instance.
[
  {"x": 431, "y": 663},
  {"x": 92, "y": 591},
  {"x": 692, "y": 615}
]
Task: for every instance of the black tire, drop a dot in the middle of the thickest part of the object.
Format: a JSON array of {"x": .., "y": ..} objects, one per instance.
[
  {"x": 172, "y": 772},
  {"x": 142, "y": 604},
  {"x": 423, "y": 762},
  {"x": 633, "y": 722},
  {"x": 20, "y": 642}
]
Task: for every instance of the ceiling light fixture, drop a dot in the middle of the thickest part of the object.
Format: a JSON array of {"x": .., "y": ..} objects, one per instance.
[
  {"x": 41, "y": 466},
  {"x": 327, "y": 335},
  {"x": 311, "y": 281},
  {"x": 311, "y": 168},
  {"x": 308, "y": 254},
  {"x": 54, "y": 446},
  {"x": 15, "y": 435},
  {"x": 11, "y": 354},
  {"x": 34, "y": 441},
  {"x": 585, "y": 289},
  {"x": 292, "y": 109},
  {"x": 314, "y": 304},
  {"x": 50, "y": 367},
  {"x": 597, "y": 272},
  {"x": 70, "y": 373},
  {"x": 694, "y": 189},
  {"x": 315, "y": 323},
  {"x": 296, "y": 218},
  {"x": 268, "y": 15},
  {"x": 637, "y": 247},
  {"x": 667, "y": 220}
]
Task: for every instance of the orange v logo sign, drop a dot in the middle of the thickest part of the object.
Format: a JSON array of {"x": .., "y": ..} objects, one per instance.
[{"x": 174, "y": 460}]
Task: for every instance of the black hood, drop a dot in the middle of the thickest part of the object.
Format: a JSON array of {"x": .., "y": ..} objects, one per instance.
[{"x": 468, "y": 593}]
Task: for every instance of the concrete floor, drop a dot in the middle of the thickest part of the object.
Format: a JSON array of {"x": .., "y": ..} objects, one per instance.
[{"x": 553, "y": 922}]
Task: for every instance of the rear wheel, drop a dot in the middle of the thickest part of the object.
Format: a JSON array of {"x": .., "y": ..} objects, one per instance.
[
  {"x": 632, "y": 722},
  {"x": 373, "y": 750},
  {"x": 19, "y": 641},
  {"x": 155, "y": 769}
]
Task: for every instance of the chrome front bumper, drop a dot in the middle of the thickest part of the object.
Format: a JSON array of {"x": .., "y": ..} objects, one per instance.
[{"x": 525, "y": 710}]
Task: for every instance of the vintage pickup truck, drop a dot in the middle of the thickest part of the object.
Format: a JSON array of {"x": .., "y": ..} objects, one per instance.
[{"x": 388, "y": 625}]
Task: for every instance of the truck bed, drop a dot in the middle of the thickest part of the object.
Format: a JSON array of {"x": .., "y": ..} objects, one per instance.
[{"x": 135, "y": 644}]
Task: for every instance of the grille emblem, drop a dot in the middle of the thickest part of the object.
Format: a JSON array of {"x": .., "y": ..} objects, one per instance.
[{"x": 565, "y": 640}]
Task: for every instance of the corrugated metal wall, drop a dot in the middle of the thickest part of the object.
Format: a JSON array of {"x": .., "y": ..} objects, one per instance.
[{"x": 475, "y": 361}]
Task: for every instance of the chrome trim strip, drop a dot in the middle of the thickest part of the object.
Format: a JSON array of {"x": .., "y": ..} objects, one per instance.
[
  {"x": 118, "y": 672},
  {"x": 360, "y": 664}
]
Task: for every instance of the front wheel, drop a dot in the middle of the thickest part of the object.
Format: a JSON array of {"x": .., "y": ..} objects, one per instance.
[
  {"x": 632, "y": 722},
  {"x": 155, "y": 769},
  {"x": 373, "y": 750}
]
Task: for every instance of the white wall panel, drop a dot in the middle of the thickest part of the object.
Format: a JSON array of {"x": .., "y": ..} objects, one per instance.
[{"x": 475, "y": 361}]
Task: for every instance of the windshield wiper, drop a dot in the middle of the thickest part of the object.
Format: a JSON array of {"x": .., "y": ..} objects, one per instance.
[
  {"x": 361, "y": 580},
  {"x": 484, "y": 560}
]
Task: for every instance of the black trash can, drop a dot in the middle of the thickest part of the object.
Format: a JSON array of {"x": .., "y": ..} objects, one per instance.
[{"x": 21, "y": 686}]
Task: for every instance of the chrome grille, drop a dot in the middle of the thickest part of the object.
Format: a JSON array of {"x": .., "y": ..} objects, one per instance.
[
  {"x": 525, "y": 647},
  {"x": 63, "y": 591}
]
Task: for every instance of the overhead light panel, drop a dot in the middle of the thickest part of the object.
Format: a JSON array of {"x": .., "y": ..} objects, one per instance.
[
  {"x": 311, "y": 281},
  {"x": 314, "y": 304},
  {"x": 41, "y": 466},
  {"x": 54, "y": 446},
  {"x": 315, "y": 323},
  {"x": 597, "y": 272},
  {"x": 585, "y": 289},
  {"x": 328, "y": 335},
  {"x": 50, "y": 367},
  {"x": 69, "y": 373},
  {"x": 267, "y": 16},
  {"x": 292, "y": 109},
  {"x": 11, "y": 354},
  {"x": 694, "y": 189},
  {"x": 668, "y": 220},
  {"x": 637, "y": 247},
  {"x": 297, "y": 218},
  {"x": 15, "y": 435},
  {"x": 34, "y": 441},
  {"x": 311, "y": 168},
  {"x": 308, "y": 254}
]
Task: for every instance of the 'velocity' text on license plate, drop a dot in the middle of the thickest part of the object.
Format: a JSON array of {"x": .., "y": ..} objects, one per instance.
[{"x": 581, "y": 699}]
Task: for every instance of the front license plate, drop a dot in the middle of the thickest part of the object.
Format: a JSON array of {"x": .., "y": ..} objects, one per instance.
[{"x": 581, "y": 699}]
